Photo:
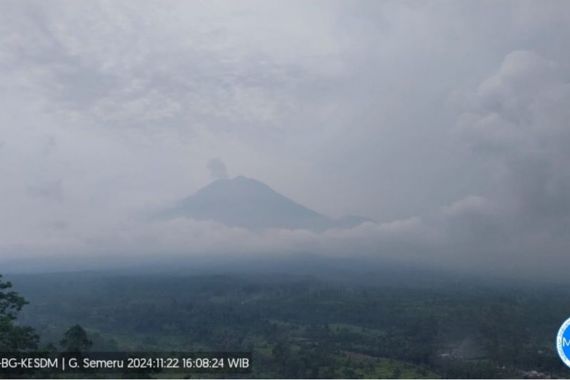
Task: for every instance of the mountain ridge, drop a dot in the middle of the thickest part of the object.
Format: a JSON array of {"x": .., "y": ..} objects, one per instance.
[{"x": 249, "y": 203}]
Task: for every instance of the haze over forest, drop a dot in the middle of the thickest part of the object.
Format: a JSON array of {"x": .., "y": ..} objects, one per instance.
[{"x": 432, "y": 133}]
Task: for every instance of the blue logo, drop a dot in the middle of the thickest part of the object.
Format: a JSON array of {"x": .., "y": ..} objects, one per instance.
[{"x": 563, "y": 342}]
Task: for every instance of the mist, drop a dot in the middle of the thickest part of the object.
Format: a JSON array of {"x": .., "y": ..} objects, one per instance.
[{"x": 442, "y": 125}]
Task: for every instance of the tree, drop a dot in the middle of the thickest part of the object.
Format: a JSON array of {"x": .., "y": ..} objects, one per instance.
[
  {"x": 13, "y": 337},
  {"x": 76, "y": 340}
]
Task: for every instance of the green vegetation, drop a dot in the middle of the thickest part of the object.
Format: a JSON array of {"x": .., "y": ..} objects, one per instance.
[
  {"x": 305, "y": 327},
  {"x": 12, "y": 336},
  {"x": 75, "y": 340}
]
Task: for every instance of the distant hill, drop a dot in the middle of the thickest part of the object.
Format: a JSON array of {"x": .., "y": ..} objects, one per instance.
[{"x": 248, "y": 203}]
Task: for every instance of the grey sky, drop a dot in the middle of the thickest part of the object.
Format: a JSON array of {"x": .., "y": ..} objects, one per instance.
[{"x": 446, "y": 121}]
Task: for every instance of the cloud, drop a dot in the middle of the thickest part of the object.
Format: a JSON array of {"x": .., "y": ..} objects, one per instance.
[
  {"x": 516, "y": 120},
  {"x": 519, "y": 118},
  {"x": 446, "y": 122},
  {"x": 470, "y": 205},
  {"x": 217, "y": 169},
  {"x": 52, "y": 190}
]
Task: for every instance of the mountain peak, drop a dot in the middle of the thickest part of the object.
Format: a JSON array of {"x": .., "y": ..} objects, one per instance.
[
  {"x": 246, "y": 181},
  {"x": 241, "y": 180}
]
